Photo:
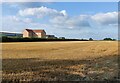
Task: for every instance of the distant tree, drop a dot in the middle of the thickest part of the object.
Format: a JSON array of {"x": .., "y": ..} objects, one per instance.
[
  {"x": 84, "y": 39},
  {"x": 114, "y": 39},
  {"x": 61, "y": 37},
  {"x": 107, "y": 39},
  {"x": 90, "y": 39}
]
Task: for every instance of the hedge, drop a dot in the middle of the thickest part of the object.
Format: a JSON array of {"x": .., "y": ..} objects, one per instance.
[{"x": 7, "y": 39}]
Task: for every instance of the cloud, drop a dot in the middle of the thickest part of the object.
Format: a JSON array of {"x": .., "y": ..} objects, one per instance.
[
  {"x": 105, "y": 18},
  {"x": 18, "y": 19},
  {"x": 63, "y": 12},
  {"x": 81, "y": 21},
  {"x": 71, "y": 22},
  {"x": 78, "y": 21},
  {"x": 63, "y": 20},
  {"x": 59, "y": 20},
  {"x": 41, "y": 12},
  {"x": 0, "y": 1},
  {"x": 27, "y": 20}
]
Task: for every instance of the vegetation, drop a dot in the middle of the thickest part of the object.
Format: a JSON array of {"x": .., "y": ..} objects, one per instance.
[
  {"x": 109, "y": 39},
  {"x": 60, "y": 61},
  {"x": 90, "y": 39},
  {"x": 19, "y": 39}
]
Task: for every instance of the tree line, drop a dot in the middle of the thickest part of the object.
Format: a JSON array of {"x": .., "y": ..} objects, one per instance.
[{"x": 20, "y": 39}]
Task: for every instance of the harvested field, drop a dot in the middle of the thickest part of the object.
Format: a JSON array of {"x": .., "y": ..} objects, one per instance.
[{"x": 64, "y": 61}]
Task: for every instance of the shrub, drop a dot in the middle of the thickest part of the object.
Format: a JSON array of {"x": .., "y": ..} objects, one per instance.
[
  {"x": 17, "y": 39},
  {"x": 90, "y": 39},
  {"x": 109, "y": 39}
]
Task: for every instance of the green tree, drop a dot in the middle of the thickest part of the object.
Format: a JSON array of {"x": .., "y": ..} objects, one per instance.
[
  {"x": 107, "y": 39},
  {"x": 90, "y": 39}
]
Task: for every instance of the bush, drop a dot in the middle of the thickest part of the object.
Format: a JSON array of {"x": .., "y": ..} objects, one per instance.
[
  {"x": 8, "y": 39},
  {"x": 90, "y": 39},
  {"x": 109, "y": 39}
]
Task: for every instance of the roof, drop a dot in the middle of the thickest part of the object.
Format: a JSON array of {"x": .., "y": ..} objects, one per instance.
[
  {"x": 35, "y": 31},
  {"x": 29, "y": 30},
  {"x": 38, "y": 31},
  {"x": 50, "y": 35}
]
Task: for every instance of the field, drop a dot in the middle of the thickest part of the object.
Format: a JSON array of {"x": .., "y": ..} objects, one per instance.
[{"x": 64, "y": 61}]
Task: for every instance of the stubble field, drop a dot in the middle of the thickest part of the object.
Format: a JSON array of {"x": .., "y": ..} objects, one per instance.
[{"x": 64, "y": 61}]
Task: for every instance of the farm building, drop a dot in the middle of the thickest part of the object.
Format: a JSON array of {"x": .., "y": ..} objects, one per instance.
[
  {"x": 34, "y": 33},
  {"x": 51, "y": 36},
  {"x": 10, "y": 34}
]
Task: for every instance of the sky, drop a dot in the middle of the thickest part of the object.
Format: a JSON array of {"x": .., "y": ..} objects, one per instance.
[
  {"x": 95, "y": 20},
  {"x": 59, "y": 0}
]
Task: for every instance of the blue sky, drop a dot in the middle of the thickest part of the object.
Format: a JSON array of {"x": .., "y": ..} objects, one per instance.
[{"x": 69, "y": 19}]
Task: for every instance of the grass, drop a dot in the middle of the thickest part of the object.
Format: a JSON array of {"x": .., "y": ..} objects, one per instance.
[{"x": 64, "y": 61}]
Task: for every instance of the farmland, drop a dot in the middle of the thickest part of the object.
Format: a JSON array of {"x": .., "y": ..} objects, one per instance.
[{"x": 53, "y": 61}]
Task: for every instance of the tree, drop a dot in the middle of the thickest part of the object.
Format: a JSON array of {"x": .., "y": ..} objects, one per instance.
[
  {"x": 114, "y": 39},
  {"x": 90, "y": 39},
  {"x": 107, "y": 39}
]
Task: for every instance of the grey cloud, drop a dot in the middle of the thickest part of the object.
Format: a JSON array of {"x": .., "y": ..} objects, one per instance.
[{"x": 71, "y": 22}]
